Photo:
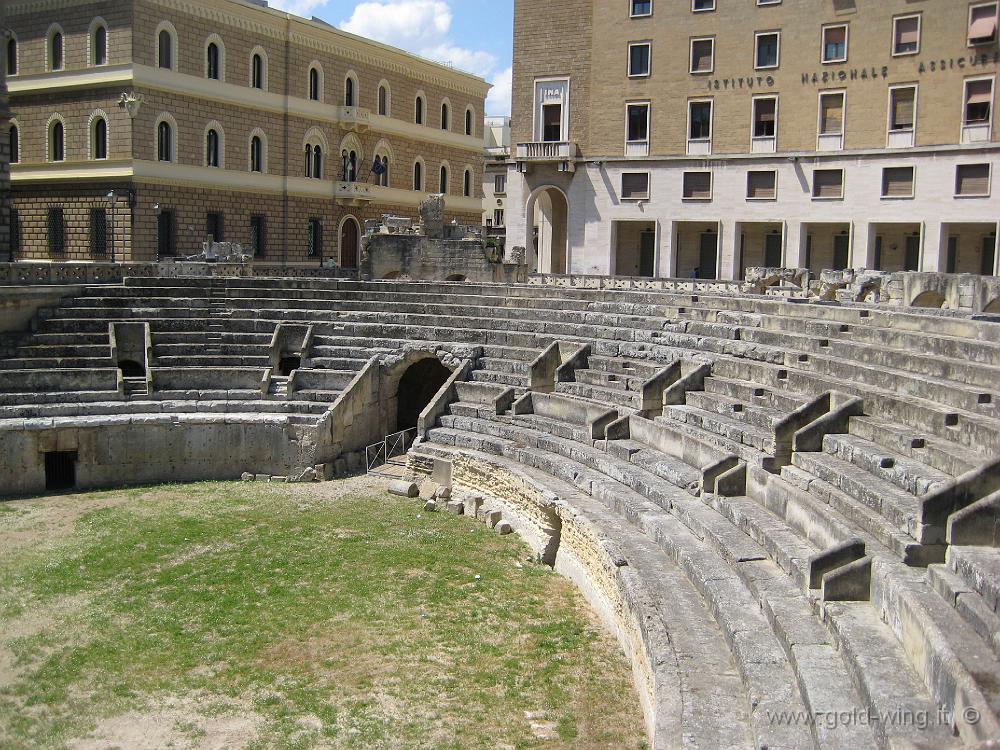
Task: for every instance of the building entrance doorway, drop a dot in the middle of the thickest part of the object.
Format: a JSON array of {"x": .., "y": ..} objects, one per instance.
[
  {"x": 416, "y": 389},
  {"x": 708, "y": 255},
  {"x": 548, "y": 213},
  {"x": 349, "y": 236}
]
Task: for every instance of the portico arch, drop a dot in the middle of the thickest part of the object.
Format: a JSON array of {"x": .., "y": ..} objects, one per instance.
[{"x": 547, "y": 211}]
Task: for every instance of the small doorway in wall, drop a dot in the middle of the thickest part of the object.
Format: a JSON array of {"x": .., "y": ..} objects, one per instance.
[
  {"x": 349, "y": 235},
  {"x": 841, "y": 252},
  {"x": 911, "y": 261},
  {"x": 551, "y": 122},
  {"x": 60, "y": 470},
  {"x": 416, "y": 389},
  {"x": 647, "y": 253},
  {"x": 287, "y": 363},
  {"x": 772, "y": 250},
  {"x": 988, "y": 258},
  {"x": 708, "y": 255}
]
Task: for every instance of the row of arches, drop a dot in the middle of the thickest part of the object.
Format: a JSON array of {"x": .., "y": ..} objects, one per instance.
[
  {"x": 55, "y": 47},
  {"x": 215, "y": 68},
  {"x": 55, "y": 143}
]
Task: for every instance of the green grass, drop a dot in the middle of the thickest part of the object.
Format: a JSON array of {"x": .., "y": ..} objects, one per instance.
[{"x": 277, "y": 616}]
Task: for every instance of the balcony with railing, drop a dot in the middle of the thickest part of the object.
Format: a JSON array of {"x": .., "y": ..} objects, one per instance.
[
  {"x": 353, "y": 194},
  {"x": 546, "y": 151},
  {"x": 357, "y": 119}
]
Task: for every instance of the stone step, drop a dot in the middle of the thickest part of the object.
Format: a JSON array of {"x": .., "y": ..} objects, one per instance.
[
  {"x": 943, "y": 455},
  {"x": 624, "y": 366},
  {"x": 728, "y": 426},
  {"x": 968, "y": 603},
  {"x": 613, "y": 380},
  {"x": 56, "y": 363},
  {"x": 759, "y": 416},
  {"x": 751, "y": 392},
  {"x": 906, "y": 473},
  {"x": 612, "y": 397},
  {"x": 898, "y": 507},
  {"x": 502, "y": 378}
]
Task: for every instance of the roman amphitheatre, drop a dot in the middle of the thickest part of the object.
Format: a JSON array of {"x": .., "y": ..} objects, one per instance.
[{"x": 782, "y": 511}]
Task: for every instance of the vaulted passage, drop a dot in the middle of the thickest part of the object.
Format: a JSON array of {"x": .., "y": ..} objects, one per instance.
[{"x": 416, "y": 389}]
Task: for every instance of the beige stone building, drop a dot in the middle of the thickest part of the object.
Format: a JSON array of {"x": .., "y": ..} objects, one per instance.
[
  {"x": 143, "y": 128},
  {"x": 497, "y": 132},
  {"x": 673, "y": 138}
]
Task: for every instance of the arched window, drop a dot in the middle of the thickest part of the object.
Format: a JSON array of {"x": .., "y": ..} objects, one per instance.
[
  {"x": 99, "y": 138},
  {"x": 12, "y": 56},
  {"x": 258, "y": 71},
  {"x": 444, "y": 116},
  {"x": 467, "y": 184},
  {"x": 383, "y": 179},
  {"x": 418, "y": 116},
  {"x": 468, "y": 122},
  {"x": 212, "y": 68},
  {"x": 350, "y": 165},
  {"x": 57, "y": 141},
  {"x": 99, "y": 44},
  {"x": 165, "y": 50},
  {"x": 212, "y": 148},
  {"x": 15, "y": 145},
  {"x": 349, "y": 93},
  {"x": 418, "y": 176},
  {"x": 164, "y": 141},
  {"x": 256, "y": 154},
  {"x": 383, "y": 100},
  {"x": 56, "y": 50},
  {"x": 314, "y": 87},
  {"x": 317, "y": 159},
  {"x": 309, "y": 160},
  {"x": 443, "y": 181}
]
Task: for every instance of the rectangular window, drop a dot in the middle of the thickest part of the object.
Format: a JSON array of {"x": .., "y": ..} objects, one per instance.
[
  {"x": 641, "y": 8},
  {"x": 698, "y": 186},
  {"x": 637, "y": 117},
  {"x": 897, "y": 182},
  {"x": 972, "y": 180},
  {"x": 57, "y": 231},
  {"x": 762, "y": 186},
  {"x": 700, "y": 116},
  {"x": 638, "y": 59},
  {"x": 702, "y": 55},
  {"x": 765, "y": 117},
  {"x": 828, "y": 183},
  {"x": 314, "y": 245},
  {"x": 214, "y": 227},
  {"x": 831, "y": 114},
  {"x": 978, "y": 102},
  {"x": 835, "y": 43},
  {"x": 551, "y": 123},
  {"x": 258, "y": 236},
  {"x": 983, "y": 23},
  {"x": 902, "y": 108},
  {"x": 500, "y": 184},
  {"x": 906, "y": 35},
  {"x": 700, "y": 5},
  {"x": 498, "y": 217},
  {"x": 98, "y": 231},
  {"x": 768, "y": 2},
  {"x": 635, "y": 186},
  {"x": 767, "y": 51}
]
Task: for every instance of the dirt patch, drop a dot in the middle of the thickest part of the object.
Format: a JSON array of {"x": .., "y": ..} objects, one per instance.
[
  {"x": 179, "y": 723},
  {"x": 29, "y": 624}
]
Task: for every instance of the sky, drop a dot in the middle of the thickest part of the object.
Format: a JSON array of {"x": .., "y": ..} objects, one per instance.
[{"x": 473, "y": 35}]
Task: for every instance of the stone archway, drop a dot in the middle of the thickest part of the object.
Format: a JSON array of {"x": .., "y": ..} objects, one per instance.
[
  {"x": 993, "y": 307},
  {"x": 350, "y": 241},
  {"x": 549, "y": 251},
  {"x": 928, "y": 299},
  {"x": 417, "y": 386}
]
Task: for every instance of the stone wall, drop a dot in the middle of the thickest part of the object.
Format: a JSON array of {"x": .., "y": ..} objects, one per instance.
[
  {"x": 5, "y": 247},
  {"x": 429, "y": 259}
]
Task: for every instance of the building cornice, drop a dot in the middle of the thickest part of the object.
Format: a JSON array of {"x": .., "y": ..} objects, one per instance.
[
  {"x": 159, "y": 79},
  {"x": 183, "y": 175}
]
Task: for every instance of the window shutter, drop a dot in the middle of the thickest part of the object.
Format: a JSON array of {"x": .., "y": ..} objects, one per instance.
[
  {"x": 897, "y": 182},
  {"x": 836, "y": 35},
  {"x": 907, "y": 32},
  {"x": 828, "y": 183},
  {"x": 761, "y": 185},
  {"x": 979, "y": 92},
  {"x": 983, "y": 24},
  {"x": 833, "y": 114},
  {"x": 903, "y": 101},
  {"x": 635, "y": 185},
  {"x": 972, "y": 179},
  {"x": 698, "y": 185}
]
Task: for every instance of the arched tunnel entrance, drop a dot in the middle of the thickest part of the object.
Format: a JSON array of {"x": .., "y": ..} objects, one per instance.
[{"x": 417, "y": 387}]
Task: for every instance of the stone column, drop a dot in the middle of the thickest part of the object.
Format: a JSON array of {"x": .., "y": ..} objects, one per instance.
[
  {"x": 863, "y": 246},
  {"x": 934, "y": 250},
  {"x": 729, "y": 238},
  {"x": 666, "y": 250},
  {"x": 795, "y": 245}
]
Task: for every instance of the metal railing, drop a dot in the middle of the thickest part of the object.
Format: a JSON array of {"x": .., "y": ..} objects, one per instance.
[{"x": 391, "y": 451}]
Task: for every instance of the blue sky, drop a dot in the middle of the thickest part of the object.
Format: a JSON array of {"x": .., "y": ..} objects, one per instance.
[{"x": 474, "y": 35}]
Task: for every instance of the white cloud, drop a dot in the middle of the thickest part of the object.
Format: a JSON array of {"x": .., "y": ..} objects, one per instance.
[
  {"x": 498, "y": 100},
  {"x": 423, "y": 27}
]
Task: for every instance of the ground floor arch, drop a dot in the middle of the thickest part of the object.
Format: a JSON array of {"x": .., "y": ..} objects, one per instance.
[
  {"x": 350, "y": 242},
  {"x": 547, "y": 220},
  {"x": 417, "y": 386}
]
